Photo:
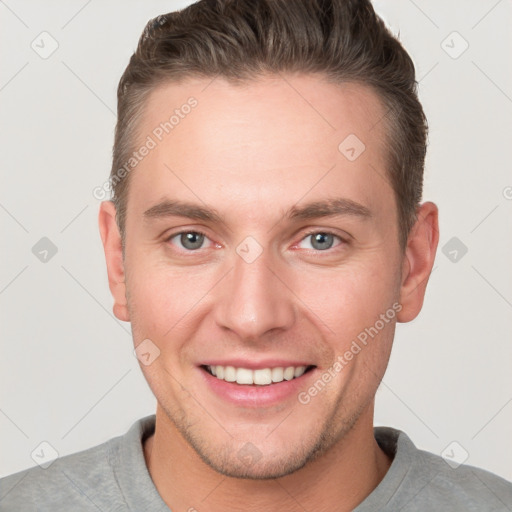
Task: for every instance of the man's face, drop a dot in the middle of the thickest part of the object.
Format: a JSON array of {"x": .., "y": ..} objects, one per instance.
[{"x": 257, "y": 284}]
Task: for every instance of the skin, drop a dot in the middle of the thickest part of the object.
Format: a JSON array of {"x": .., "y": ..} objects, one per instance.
[{"x": 251, "y": 152}]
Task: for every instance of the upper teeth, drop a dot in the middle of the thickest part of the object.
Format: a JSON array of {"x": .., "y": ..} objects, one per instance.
[{"x": 260, "y": 377}]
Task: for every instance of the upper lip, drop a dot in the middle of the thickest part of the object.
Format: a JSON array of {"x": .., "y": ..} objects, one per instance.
[{"x": 255, "y": 365}]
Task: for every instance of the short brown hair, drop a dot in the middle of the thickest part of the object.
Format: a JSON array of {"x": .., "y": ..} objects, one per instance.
[{"x": 343, "y": 40}]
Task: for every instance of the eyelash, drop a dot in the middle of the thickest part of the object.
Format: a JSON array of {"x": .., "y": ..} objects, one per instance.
[{"x": 343, "y": 242}]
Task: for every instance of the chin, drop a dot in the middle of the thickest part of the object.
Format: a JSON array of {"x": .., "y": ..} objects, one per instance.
[
  {"x": 244, "y": 460},
  {"x": 250, "y": 464}
]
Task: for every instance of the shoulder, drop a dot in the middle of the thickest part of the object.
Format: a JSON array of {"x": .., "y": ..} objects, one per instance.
[
  {"x": 425, "y": 481},
  {"x": 76, "y": 480},
  {"x": 463, "y": 485}
]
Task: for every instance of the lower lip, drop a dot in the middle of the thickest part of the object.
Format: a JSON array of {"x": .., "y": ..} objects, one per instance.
[{"x": 245, "y": 395}]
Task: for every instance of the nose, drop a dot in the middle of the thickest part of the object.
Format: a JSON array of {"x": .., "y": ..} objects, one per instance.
[{"x": 255, "y": 299}]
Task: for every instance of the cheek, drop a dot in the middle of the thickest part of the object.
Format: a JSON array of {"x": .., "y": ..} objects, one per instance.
[
  {"x": 347, "y": 299},
  {"x": 162, "y": 299}
]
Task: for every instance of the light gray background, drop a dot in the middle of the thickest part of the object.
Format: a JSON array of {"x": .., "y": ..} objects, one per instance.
[{"x": 68, "y": 374}]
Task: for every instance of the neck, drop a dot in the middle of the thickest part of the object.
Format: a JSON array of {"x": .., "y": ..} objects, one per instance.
[{"x": 339, "y": 479}]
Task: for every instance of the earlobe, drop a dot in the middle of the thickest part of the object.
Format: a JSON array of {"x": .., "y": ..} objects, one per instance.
[
  {"x": 418, "y": 261},
  {"x": 111, "y": 240}
]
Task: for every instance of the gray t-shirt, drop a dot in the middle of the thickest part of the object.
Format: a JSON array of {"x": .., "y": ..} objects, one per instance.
[{"x": 113, "y": 477}]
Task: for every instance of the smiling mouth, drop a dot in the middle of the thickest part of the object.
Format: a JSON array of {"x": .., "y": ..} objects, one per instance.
[{"x": 260, "y": 377}]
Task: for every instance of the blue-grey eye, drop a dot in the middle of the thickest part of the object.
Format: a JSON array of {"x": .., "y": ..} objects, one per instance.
[
  {"x": 319, "y": 241},
  {"x": 191, "y": 240},
  {"x": 322, "y": 241}
]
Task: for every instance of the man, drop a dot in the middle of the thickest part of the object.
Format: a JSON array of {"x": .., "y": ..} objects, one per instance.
[{"x": 264, "y": 237}]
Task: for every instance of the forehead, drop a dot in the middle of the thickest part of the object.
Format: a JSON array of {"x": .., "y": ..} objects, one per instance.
[
  {"x": 295, "y": 104},
  {"x": 275, "y": 138}
]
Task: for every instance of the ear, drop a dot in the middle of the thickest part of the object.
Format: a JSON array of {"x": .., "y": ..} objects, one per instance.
[
  {"x": 111, "y": 239},
  {"x": 418, "y": 261}
]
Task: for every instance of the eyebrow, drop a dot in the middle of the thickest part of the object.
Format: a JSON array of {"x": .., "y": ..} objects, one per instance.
[
  {"x": 167, "y": 208},
  {"x": 329, "y": 208},
  {"x": 317, "y": 209}
]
